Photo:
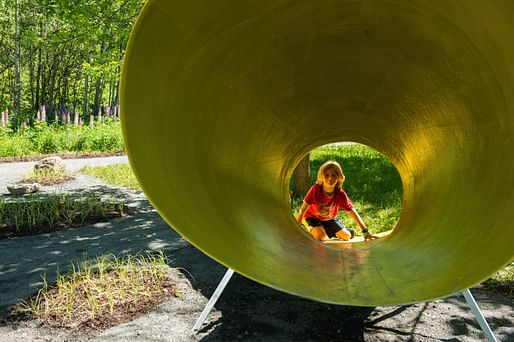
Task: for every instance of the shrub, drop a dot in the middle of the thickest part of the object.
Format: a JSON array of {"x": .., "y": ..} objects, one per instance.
[{"x": 48, "y": 139}]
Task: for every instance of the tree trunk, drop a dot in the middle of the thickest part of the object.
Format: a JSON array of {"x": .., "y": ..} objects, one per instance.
[
  {"x": 85, "y": 108},
  {"x": 38, "y": 101},
  {"x": 51, "y": 96},
  {"x": 98, "y": 95},
  {"x": 17, "y": 77},
  {"x": 301, "y": 177}
]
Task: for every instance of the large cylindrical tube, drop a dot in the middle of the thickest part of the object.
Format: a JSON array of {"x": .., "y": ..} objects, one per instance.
[{"x": 221, "y": 99}]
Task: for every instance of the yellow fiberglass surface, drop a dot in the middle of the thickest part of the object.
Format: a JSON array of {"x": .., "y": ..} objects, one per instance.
[{"x": 221, "y": 99}]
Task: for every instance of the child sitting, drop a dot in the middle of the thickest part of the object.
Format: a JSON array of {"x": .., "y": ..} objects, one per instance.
[{"x": 322, "y": 203}]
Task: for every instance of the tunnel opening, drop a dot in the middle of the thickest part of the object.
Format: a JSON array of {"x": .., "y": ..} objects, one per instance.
[{"x": 372, "y": 183}]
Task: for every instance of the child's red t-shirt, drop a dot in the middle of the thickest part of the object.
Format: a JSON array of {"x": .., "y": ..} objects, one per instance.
[{"x": 323, "y": 207}]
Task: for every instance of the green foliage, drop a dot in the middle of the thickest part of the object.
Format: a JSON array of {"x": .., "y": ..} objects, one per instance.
[
  {"x": 36, "y": 214},
  {"x": 63, "y": 42},
  {"x": 99, "y": 292},
  {"x": 50, "y": 139},
  {"x": 116, "y": 174},
  {"x": 46, "y": 177},
  {"x": 372, "y": 182}
]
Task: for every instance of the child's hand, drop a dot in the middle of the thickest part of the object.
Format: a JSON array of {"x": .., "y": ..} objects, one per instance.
[
  {"x": 298, "y": 217},
  {"x": 368, "y": 236}
]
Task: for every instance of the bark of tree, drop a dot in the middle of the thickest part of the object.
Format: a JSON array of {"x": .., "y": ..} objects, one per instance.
[
  {"x": 98, "y": 95},
  {"x": 301, "y": 178},
  {"x": 17, "y": 77},
  {"x": 31, "y": 79},
  {"x": 85, "y": 109},
  {"x": 37, "y": 103},
  {"x": 51, "y": 88}
]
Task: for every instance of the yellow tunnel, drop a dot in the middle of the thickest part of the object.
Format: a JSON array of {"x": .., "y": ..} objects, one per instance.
[{"x": 221, "y": 99}]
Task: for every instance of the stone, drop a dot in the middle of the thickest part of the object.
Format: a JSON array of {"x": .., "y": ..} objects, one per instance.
[
  {"x": 22, "y": 189},
  {"x": 52, "y": 164}
]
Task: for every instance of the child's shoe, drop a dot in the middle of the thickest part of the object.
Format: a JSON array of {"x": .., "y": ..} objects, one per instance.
[{"x": 352, "y": 232}]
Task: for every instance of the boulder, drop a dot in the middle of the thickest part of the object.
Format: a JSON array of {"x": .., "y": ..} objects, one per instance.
[
  {"x": 22, "y": 189},
  {"x": 52, "y": 164}
]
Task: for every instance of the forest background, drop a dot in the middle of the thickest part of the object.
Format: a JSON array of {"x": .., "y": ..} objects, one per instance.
[{"x": 62, "y": 58}]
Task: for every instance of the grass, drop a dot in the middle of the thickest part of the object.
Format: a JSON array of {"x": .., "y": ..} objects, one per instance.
[
  {"x": 46, "y": 177},
  {"x": 372, "y": 183},
  {"x": 116, "y": 174},
  {"x": 37, "y": 214},
  {"x": 103, "y": 292},
  {"x": 41, "y": 139}
]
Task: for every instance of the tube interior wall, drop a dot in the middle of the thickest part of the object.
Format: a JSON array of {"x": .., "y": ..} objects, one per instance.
[{"x": 221, "y": 99}]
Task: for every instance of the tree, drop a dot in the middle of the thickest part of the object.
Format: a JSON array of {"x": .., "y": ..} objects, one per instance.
[
  {"x": 17, "y": 77},
  {"x": 301, "y": 177},
  {"x": 60, "y": 53}
]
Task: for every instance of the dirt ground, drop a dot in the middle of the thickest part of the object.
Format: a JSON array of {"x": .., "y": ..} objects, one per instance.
[{"x": 246, "y": 311}]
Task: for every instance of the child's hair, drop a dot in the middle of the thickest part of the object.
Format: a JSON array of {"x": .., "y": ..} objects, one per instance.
[{"x": 336, "y": 167}]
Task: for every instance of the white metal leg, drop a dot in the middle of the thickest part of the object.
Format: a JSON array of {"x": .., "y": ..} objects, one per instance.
[
  {"x": 479, "y": 316},
  {"x": 213, "y": 300}
]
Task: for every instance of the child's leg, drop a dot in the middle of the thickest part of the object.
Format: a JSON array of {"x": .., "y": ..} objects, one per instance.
[
  {"x": 344, "y": 234},
  {"x": 319, "y": 233},
  {"x": 334, "y": 228}
]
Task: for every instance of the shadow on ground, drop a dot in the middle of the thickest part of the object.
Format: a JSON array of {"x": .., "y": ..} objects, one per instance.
[
  {"x": 249, "y": 311},
  {"x": 24, "y": 260}
]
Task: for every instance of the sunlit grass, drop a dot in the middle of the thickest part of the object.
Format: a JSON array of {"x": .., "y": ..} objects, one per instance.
[
  {"x": 46, "y": 177},
  {"x": 115, "y": 174},
  {"x": 36, "y": 213},
  {"x": 101, "y": 292},
  {"x": 372, "y": 183},
  {"x": 41, "y": 139}
]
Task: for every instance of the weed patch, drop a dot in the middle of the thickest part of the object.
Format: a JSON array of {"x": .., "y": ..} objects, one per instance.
[
  {"x": 115, "y": 174},
  {"x": 40, "y": 214},
  {"x": 101, "y": 293},
  {"x": 46, "y": 177}
]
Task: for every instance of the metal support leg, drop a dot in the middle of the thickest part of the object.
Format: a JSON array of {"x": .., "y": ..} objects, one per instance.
[
  {"x": 213, "y": 300},
  {"x": 479, "y": 316}
]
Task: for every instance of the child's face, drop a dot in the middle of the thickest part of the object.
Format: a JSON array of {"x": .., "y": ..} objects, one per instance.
[{"x": 330, "y": 177}]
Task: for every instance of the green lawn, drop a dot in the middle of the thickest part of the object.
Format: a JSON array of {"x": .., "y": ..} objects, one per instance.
[
  {"x": 372, "y": 183},
  {"x": 116, "y": 174}
]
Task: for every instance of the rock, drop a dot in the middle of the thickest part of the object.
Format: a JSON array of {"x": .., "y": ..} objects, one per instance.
[
  {"x": 52, "y": 164},
  {"x": 22, "y": 189}
]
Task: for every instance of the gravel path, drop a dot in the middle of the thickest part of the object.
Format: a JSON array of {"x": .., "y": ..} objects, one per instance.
[
  {"x": 12, "y": 172},
  {"x": 246, "y": 311}
]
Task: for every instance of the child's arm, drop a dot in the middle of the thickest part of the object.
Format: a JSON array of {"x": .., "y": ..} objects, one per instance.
[
  {"x": 357, "y": 218},
  {"x": 303, "y": 209}
]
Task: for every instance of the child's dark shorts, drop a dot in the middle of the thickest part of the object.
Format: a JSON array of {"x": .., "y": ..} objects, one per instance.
[{"x": 331, "y": 226}]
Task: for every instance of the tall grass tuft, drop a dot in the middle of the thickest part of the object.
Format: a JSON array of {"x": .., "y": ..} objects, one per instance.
[
  {"x": 104, "y": 291},
  {"x": 46, "y": 177},
  {"x": 37, "y": 214}
]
